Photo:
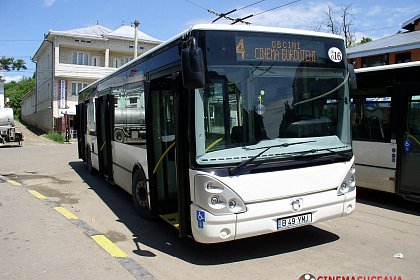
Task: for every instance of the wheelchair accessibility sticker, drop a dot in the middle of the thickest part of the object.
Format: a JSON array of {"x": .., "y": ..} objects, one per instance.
[{"x": 201, "y": 218}]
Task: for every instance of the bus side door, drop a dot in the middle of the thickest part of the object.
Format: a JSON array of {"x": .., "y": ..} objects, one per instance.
[
  {"x": 410, "y": 150},
  {"x": 80, "y": 123},
  {"x": 104, "y": 127}
]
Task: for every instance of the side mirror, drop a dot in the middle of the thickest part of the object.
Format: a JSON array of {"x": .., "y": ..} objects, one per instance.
[
  {"x": 192, "y": 66},
  {"x": 352, "y": 77}
]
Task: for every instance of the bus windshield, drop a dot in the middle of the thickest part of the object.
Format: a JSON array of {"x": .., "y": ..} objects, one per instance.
[{"x": 260, "y": 96}]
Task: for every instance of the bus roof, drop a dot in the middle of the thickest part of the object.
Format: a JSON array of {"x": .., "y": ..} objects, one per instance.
[
  {"x": 387, "y": 67},
  {"x": 220, "y": 27},
  {"x": 260, "y": 28}
]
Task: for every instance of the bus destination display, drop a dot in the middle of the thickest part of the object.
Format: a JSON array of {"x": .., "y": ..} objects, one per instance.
[{"x": 277, "y": 49}]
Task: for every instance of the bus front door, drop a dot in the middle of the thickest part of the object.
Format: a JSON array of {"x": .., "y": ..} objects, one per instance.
[
  {"x": 104, "y": 124},
  {"x": 410, "y": 156},
  {"x": 163, "y": 127},
  {"x": 164, "y": 165}
]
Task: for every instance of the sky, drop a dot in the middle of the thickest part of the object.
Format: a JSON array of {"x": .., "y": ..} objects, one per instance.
[{"x": 23, "y": 23}]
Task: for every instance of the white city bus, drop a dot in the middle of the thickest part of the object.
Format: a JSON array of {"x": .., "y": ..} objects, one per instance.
[
  {"x": 386, "y": 128},
  {"x": 227, "y": 132}
]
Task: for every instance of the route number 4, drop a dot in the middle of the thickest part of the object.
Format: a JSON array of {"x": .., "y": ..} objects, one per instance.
[{"x": 240, "y": 48}]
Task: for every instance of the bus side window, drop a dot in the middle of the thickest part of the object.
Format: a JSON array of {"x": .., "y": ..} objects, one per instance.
[
  {"x": 129, "y": 114},
  {"x": 91, "y": 118},
  {"x": 371, "y": 118}
]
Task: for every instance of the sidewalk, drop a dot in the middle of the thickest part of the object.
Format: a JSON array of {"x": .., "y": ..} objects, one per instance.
[
  {"x": 32, "y": 137},
  {"x": 39, "y": 243}
]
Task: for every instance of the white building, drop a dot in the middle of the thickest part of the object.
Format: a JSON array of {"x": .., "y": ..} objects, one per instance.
[{"x": 68, "y": 61}]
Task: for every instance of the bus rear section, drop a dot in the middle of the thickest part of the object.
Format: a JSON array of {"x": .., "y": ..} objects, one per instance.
[{"x": 386, "y": 128}]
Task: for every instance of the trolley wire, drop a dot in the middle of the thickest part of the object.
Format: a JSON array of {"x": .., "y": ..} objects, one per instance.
[
  {"x": 266, "y": 11},
  {"x": 275, "y": 8},
  {"x": 237, "y": 9},
  {"x": 241, "y": 20}
]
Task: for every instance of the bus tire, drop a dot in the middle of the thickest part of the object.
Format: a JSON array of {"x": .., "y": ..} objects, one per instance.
[
  {"x": 91, "y": 169},
  {"x": 140, "y": 195}
]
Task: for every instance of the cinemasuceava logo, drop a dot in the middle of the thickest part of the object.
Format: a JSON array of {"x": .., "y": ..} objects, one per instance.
[{"x": 308, "y": 276}]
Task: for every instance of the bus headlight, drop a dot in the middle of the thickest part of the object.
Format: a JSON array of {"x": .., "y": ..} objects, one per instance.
[
  {"x": 215, "y": 197},
  {"x": 349, "y": 182}
]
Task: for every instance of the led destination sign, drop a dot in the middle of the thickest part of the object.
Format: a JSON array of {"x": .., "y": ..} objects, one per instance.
[{"x": 278, "y": 49}]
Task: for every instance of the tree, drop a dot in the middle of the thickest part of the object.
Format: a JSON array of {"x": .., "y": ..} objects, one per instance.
[
  {"x": 341, "y": 24},
  {"x": 364, "y": 40},
  {"x": 9, "y": 63},
  {"x": 15, "y": 91}
]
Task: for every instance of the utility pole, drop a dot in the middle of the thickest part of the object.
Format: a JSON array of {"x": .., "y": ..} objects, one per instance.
[
  {"x": 1, "y": 88},
  {"x": 136, "y": 25}
]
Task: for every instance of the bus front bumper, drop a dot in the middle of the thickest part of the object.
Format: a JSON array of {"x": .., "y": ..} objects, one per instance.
[{"x": 270, "y": 216}]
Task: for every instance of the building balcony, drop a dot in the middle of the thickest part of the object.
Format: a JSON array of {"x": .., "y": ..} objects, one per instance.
[{"x": 81, "y": 72}]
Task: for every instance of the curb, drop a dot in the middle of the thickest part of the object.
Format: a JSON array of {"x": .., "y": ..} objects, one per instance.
[{"x": 133, "y": 267}]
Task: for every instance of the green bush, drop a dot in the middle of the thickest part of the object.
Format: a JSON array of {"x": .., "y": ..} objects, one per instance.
[{"x": 55, "y": 136}]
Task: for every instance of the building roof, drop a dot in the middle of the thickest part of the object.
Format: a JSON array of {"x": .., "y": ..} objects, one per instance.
[
  {"x": 125, "y": 32},
  {"x": 393, "y": 43},
  {"x": 409, "y": 24},
  {"x": 97, "y": 32},
  {"x": 90, "y": 31}
]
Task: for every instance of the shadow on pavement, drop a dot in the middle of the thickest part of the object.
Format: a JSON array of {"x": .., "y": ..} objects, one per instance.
[
  {"x": 162, "y": 237},
  {"x": 387, "y": 201}
]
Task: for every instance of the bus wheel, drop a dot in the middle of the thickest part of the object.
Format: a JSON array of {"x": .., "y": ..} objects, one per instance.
[
  {"x": 140, "y": 196},
  {"x": 119, "y": 136},
  {"x": 91, "y": 169}
]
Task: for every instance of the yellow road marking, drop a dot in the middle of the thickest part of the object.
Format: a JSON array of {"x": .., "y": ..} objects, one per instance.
[
  {"x": 37, "y": 194},
  {"x": 63, "y": 211},
  {"x": 108, "y": 246},
  {"x": 13, "y": 182}
]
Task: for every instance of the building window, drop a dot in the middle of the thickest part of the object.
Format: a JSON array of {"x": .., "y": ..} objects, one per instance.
[
  {"x": 83, "y": 41},
  {"x": 403, "y": 57},
  {"x": 116, "y": 62},
  {"x": 96, "y": 61},
  {"x": 139, "y": 47},
  {"x": 127, "y": 59},
  {"x": 76, "y": 87},
  {"x": 80, "y": 58},
  {"x": 376, "y": 60}
]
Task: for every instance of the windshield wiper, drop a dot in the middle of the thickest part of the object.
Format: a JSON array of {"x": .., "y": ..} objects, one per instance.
[
  {"x": 341, "y": 153},
  {"x": 239, "y": 167},
  {"x": 331, "y": 150}
]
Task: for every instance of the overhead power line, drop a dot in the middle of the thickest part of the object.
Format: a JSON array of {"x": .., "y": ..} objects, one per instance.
[
  {"x": 236, "y": 20},
  {"x": 237, "y": 9},
  {"x": 374, "y": 29},
  {"x": 19, "y": 40},
  {"x": 220, "y": 15},
  {"x": 275, "y": 8}
]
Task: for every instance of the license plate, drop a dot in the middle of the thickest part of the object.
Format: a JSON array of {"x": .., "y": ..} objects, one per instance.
[{"x": 294, "y": 221}]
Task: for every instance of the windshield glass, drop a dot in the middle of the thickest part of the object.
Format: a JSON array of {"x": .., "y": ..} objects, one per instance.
[{"x": 254, "y": 100}]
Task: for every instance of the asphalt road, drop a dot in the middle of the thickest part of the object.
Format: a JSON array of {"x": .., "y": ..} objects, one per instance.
[{"x": 380, "y": 239}]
